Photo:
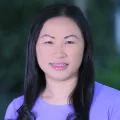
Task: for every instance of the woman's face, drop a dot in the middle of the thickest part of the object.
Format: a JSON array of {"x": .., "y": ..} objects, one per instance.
[{"x": 60, "y": 48}]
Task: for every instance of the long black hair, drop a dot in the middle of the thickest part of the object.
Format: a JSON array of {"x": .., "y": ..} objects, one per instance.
[{"x": 35, "y": 83}]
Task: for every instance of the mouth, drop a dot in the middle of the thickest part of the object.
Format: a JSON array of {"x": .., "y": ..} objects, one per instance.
[{"x": 59, "y": 66}]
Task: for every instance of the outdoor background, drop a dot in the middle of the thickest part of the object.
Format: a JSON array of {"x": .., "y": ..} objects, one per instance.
[{"x": 16, "y": 17}]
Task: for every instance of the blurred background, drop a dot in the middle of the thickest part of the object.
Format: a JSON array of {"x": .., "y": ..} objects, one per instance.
[{"x": 16, "y": 17}]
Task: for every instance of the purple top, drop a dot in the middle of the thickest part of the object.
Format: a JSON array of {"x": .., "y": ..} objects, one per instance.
[{"x": 105, "y": 106}]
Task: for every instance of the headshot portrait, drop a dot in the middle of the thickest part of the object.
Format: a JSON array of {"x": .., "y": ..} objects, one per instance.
[{"x": 59, "y": 81}]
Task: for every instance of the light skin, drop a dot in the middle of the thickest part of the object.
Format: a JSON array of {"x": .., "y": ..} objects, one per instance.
[{"x": 60, "y": 41}]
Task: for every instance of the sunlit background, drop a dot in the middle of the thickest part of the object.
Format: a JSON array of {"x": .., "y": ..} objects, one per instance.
[{"x": 16, "y": 17}]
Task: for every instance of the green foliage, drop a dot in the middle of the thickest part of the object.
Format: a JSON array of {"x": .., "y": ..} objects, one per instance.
[
  {"x": 15, "y": 21},
  {"x": 101, "y": 19},
  {"x": 110, "y": 73}
]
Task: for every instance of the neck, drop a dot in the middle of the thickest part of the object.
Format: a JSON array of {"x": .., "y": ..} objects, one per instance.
[{"x": 59, "y": 90}]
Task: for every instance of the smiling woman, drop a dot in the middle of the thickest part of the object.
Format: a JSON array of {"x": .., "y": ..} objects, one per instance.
[
  {"x": 60, "y": 51},
  {"x": 59, "y": 78}
]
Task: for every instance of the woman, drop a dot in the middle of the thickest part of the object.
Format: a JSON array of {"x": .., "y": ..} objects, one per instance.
[{"x": 59, "y": 78}]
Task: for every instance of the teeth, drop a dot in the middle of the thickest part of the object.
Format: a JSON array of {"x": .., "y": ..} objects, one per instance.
[{"x": 56, "y": 64}]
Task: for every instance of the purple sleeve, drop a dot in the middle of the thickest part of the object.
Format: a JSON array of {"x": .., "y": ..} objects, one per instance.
[
  {"x": 11, "y": 113},
  {"x": 115, "y": 109}
]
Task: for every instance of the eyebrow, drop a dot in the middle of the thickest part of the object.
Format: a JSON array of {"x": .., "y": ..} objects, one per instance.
[
  {"x": 47, "y": 35},
  {"x": 71, "y": 36}
]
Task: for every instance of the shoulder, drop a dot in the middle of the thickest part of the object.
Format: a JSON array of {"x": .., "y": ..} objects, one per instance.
[
  {"x": 109, "y": 99},
  {"x": 106, "y": 91},
  {"x": 11, "y": 112}
]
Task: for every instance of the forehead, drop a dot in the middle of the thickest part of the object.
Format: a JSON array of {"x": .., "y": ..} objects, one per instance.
[{"x": 61, "y": 25}]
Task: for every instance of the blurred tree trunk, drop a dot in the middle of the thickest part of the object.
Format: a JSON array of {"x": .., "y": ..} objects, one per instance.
[
  {"x": 82, "y": 4},
  {"x": 100, "y": 15},
  {"x": 101, "y": 18}
]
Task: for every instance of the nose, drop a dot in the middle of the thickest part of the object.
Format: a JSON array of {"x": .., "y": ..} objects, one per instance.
[{"x": 59, "y": 52}]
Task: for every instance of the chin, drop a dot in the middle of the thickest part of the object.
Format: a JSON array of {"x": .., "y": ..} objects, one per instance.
[{"x": 58, "y": 77}]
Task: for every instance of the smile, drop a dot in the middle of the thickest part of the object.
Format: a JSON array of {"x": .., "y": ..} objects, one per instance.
[{"x": 59, "y": 66}]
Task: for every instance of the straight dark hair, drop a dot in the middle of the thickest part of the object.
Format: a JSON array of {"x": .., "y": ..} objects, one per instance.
[{"x": 35, "y": 83}]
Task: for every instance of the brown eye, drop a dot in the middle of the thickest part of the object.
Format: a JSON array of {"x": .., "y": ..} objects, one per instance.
[
  {"x": 69, "y": 42},
  {"x": 49, "y": 42}
]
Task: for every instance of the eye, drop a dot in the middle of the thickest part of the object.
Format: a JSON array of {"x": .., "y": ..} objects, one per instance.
[
  {"x": 70, "y": 42},
  {"x": 49, "y": 42}
]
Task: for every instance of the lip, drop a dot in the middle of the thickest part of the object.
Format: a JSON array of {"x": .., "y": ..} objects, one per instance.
[{"x": 59, "y": 68}]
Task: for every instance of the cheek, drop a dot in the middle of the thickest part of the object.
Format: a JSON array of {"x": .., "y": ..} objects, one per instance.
[
  {"x": 41, "y": 55},
  {"x": 42, "y": 59},
  {"x": 76, "y": 53},
  {"x": 76, "y": 57}
]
